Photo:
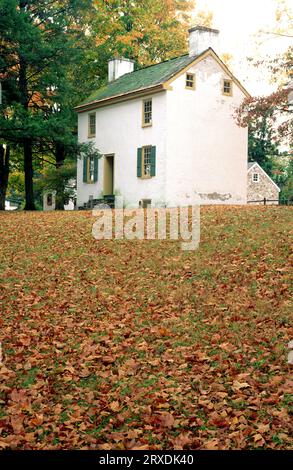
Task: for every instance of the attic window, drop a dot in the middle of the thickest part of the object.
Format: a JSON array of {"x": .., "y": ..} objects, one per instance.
[
  {"x": 92, "y": 125},
  {"x": 147, "y": 111},
  {"x": 227, "y": 87},
  {"x": 190, "y": 81},
  {"x": 255, "y": 177}
]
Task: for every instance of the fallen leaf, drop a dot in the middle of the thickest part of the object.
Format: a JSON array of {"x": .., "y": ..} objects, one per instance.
[
  {"x": 213, "y": 444},
  {"x": 115, "y": 406},
  {"x": 239, "y": 386},
  {"x": 167, "y": 420}
]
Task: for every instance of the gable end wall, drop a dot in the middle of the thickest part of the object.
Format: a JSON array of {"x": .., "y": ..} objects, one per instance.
[{"x": 263, "y": 189}]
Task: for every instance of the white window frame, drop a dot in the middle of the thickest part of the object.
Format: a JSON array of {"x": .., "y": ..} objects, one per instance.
[
  {"x": 146, "y": 161},
  {"x": 255, "y": 180},
  {"x": 227, "y": 90},
  {"x": 147, "y": 112},
  {"x": 92, "y": 125},
  {"x": 190, "y": 81}
]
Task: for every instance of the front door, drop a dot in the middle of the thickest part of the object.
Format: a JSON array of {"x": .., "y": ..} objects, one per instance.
[{"x": 108, "y": 175}]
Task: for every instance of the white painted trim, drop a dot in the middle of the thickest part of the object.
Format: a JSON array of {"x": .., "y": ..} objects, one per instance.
[{"x": 249, "y": 169}]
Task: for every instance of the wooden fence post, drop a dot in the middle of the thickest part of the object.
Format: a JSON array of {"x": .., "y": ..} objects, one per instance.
[{"x": 264, "y": 200}]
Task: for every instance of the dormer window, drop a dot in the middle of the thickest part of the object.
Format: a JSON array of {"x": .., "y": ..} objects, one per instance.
[
  {"x": 255, "y": 177},
  {"x": 227, "y": 87},
  {"x": 190, "y": 81},
  {"x": 147, "y": 112}
]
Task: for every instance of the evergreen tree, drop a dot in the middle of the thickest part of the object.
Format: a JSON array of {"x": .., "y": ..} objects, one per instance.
[
  {"x": 262, "y": 144},
  {"x": 42, "y": 41}
]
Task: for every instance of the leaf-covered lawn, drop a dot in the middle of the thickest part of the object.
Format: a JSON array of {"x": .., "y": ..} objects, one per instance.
[{"x": 138, "y": 344}]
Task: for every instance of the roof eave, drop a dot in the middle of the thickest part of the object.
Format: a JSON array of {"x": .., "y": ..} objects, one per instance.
[
  {"x": 202, "y": 56},
  {"x": 119, "y": 98}
]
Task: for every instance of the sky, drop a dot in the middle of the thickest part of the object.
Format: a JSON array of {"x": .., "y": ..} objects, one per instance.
[{"x": 239, "y": 22}]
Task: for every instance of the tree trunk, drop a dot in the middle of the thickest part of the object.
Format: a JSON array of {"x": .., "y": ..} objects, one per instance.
[
  {"x": 60, "y": 157},
  {"x": 4, "y": 174},
  {"x": 27, "y": 142},
  {"x": 28, "y": 175}
]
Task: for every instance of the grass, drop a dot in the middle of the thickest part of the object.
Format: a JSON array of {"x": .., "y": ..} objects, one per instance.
[{"x": 122, "y": 344}]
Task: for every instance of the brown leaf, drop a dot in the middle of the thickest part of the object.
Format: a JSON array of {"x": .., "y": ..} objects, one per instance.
[
  {"x": 259, "y": 439},
  {"x": 213, "y": 444},
  {"x": 108, "y": 359},
  {"x": 167, "y": 420},
  {"x": 115, "y": 406},
  {"x": 180, "y": 441},
  {"x": 17, "y": 424},
  {"x": 239, "y": 385}
]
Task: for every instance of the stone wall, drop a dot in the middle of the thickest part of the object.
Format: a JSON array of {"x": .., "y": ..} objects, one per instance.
[
  {"x": 49, "y": 201},
  {"x": 264, "y": 188}
]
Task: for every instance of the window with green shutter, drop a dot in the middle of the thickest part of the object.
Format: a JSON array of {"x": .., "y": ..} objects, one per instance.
[
  {"x": 153, "y": 161},
  {"x": 96, "y": 169},
  {"x": 85, "y": 169},
  {"x": 90, "y": 169},
  {"x": 146, "y": 161},
  {"x": 138, "y": 165}
]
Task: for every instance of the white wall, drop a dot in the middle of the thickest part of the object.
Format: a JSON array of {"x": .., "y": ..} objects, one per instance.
[
  {"x": 207, "y": 151},
  {"x": 119, "y": 131},
  {"x": 9, "y": 206}
]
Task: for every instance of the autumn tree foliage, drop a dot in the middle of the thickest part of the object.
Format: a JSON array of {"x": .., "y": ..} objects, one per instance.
[
  {"x": 41, "y": 48},
  {"x": 277, "y": 107},
  {"x": 269, "y": 118},
  {"x": 148, "y": 31}
]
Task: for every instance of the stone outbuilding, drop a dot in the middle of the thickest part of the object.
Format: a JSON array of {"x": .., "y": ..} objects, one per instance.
[
  {"x": 49, "y": 200},
  {"x": 261, "y": 189}
]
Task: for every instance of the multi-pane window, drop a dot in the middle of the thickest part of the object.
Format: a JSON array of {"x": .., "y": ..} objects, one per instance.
[
  {"x": 255, "y": 177},
  {"x": 227, "y": 87},
  {"x": 190, "y": 81},
  {"x": 92, "y": 125},
  {"x": 146, "y": 161},
  {"x": 91, "y": 169},
  {"x": 147, "y": 112}
]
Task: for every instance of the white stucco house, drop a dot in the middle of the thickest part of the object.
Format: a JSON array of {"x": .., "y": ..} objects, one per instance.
[{"x": 166, "y": 132}]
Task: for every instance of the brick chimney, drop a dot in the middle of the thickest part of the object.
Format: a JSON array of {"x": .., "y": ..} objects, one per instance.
[
  {"x": 201, "y": 38},
  {"x": 118, "y": 67}
]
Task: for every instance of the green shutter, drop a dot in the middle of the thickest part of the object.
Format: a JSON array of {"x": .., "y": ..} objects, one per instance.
[
  {"x": 96, "y": 166},
  {"x": 139, "y": 154},
  {"x": 153, "y": 161},
  {"x": 85, "y": 169}
]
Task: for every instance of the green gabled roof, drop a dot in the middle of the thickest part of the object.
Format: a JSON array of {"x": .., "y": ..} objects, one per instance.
[{"x": 140, "y": 79}]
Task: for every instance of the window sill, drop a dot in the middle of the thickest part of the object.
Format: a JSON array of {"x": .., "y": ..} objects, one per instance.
[
  {"x": 147, "y": 125},
  {"x": 92, "y": 136},
  {"x": 192, "y": 88}
]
